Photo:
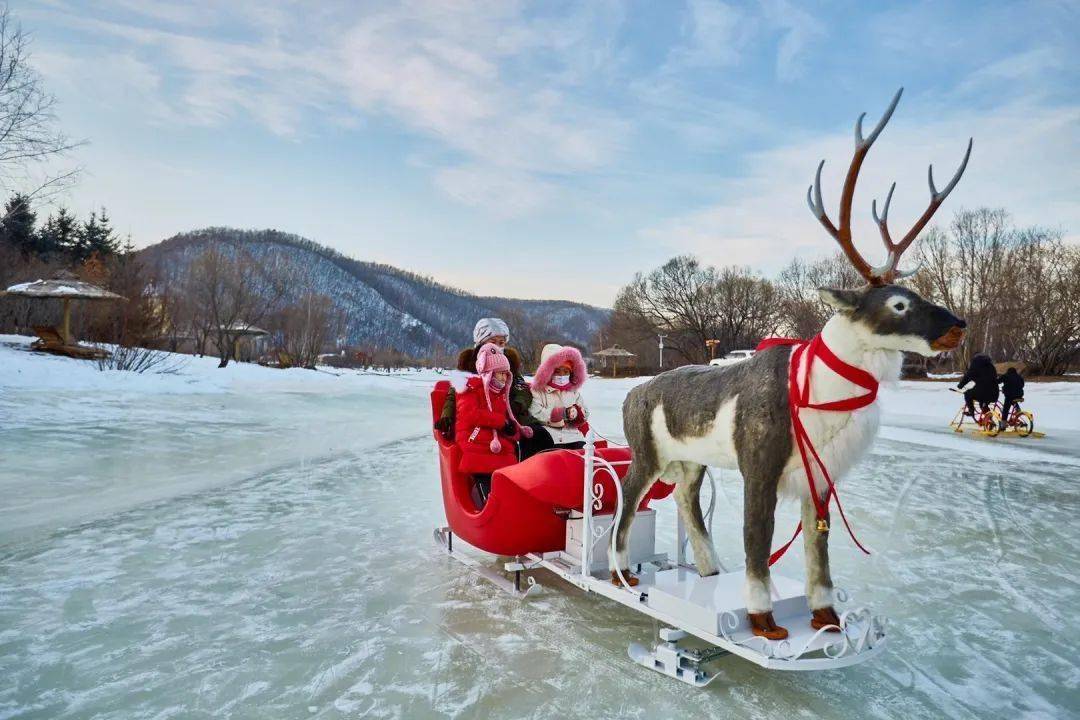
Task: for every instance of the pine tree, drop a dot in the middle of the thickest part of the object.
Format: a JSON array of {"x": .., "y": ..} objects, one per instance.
[
  {"x": 108, "y": 243},
  {"x": 59, "y": 234},
  {"x": 96, "y": 237},
  {"x": 17, "y": 225},
  {"x": 89, "y": 229}
]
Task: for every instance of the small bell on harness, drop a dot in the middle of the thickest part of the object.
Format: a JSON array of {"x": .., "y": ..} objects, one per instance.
[{"x": 822, "y": 525}]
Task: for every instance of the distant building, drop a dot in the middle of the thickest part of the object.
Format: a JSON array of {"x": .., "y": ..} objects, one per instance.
[{"x": 614, "y": 357}]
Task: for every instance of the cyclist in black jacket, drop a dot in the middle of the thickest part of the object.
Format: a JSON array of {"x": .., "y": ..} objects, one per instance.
[
  {"x": 980, "y": 382},
  {"x": 1012, "y": 387}
]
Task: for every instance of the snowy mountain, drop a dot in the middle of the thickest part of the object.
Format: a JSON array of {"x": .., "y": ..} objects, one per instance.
[{"x": 384, "y": 307}]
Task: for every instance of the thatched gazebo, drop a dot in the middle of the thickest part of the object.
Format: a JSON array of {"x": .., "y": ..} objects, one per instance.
[
  {"x": 65, "y": 286},
  {"x": 614, "y": 354}
]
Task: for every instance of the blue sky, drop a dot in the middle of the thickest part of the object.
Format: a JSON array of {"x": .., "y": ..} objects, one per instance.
[{"x": 553, "y": 149}]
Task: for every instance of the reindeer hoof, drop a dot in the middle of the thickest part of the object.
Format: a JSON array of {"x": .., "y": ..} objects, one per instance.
[
  {"x": 631, "y": 579},
  {"x": 827, "y": 618},
  {"x": 763, "y": 625}
]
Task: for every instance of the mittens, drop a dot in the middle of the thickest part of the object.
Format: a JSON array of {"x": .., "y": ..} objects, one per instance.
[
  {"x": 557, "y": 414},
  {"x": 495, "y": 445},
  {"x": 526, "y": 432}
]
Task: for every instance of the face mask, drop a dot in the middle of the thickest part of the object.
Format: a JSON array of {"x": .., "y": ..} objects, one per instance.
[
  {"x": 560, "y": 380},
  {"x": 497, "y": 385}
]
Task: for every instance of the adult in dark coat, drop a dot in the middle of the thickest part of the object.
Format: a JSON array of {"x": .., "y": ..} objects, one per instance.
[
  {"x": 980, "y": 383},
  {"x": 1012, "y": 388}
]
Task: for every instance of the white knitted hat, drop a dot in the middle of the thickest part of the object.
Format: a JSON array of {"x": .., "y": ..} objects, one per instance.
[{"x": 488, "y": 327}]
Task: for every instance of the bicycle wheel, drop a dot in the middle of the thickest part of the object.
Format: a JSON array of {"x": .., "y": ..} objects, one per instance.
[
  {"x": 1025, "y": 424},
  {"x": 991, "y": 423},
  {"x": 957, "y": 422}
]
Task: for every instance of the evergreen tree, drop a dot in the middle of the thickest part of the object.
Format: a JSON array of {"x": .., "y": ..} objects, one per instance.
[
  {"x": 17, "y": 225},
  {"x": 96, "y": 236},
  {"x": 59, "y": 233}
]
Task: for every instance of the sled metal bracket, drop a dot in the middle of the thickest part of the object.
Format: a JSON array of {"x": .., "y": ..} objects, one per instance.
[
  {"x": 520, "y": 587},
  {"x": 668, "y": 657}
]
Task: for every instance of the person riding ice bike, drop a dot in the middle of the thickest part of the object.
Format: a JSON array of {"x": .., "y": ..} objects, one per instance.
[
  {"x": 1012, "y": 388},
  {"x": 979, "y": 383}
]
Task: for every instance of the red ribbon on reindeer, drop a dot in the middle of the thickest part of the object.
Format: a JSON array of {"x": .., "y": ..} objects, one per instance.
[{"x": 799, "y": 398}]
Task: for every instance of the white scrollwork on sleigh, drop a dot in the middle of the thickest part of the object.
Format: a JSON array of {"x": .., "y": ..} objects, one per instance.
[
  {"x": 859, "y": 630},
  {"x": 597, "y": 498}
]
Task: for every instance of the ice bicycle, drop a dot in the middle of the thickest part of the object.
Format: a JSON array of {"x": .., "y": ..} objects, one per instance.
[
  {"x": 987, "y": 420},
  {"x": 554, "y": 512}
]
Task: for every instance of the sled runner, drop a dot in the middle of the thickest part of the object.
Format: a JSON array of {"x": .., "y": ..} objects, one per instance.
[{"x": 554, "y": 511}]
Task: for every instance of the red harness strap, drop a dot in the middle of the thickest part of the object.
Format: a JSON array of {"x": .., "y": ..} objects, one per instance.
[{"x": 799, "y": 398}]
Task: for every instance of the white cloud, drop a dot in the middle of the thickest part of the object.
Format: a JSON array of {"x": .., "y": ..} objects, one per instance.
[
  {"x": 715, "y": 35},
  {"x": 801, "y": 29},
  {"x": 1023, "y": 160},
  {"x": 448, "y": 75},
  {"x": 1030, "y": 67},
  {"x": 505, "y": 193},
  {"x": 498, "y": 88}
]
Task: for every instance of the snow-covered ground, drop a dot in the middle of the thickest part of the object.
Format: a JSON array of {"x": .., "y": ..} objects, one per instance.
[{"x": 256, "y": 543}]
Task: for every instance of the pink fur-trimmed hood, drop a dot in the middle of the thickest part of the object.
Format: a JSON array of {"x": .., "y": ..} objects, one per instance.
[{"x": 551, "y": 357}]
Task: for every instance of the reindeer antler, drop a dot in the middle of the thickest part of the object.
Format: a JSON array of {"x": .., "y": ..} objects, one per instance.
[{"x": 887, "y": 273}]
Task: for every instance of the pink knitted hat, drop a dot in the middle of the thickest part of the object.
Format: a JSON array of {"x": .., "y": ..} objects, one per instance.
[{"x": 490, "y": 359}]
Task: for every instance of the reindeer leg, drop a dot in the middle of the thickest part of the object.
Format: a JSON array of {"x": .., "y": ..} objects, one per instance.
[
  {"x": 819, "y": 586},
  {"x": 639, "y": 478},
  {"x": 688, "y": 500},
  {"x": 759, "y": 506}
]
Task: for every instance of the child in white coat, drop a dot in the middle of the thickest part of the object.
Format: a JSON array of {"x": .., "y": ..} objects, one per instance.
[{"x": 557, "y": 408}]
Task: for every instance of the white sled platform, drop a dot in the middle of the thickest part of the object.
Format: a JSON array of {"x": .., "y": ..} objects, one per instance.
[{"x": 706, "y": 616}]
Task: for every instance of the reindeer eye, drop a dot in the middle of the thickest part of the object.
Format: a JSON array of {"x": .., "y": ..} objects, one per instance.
[{"x": 899, "y": 307}]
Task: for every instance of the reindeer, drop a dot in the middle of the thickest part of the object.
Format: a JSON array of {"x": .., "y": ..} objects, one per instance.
[{"x": 739, "y": 416}]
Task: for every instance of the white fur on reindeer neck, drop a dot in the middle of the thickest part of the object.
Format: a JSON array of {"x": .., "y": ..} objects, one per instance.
[{"x": 841, "y": 438}]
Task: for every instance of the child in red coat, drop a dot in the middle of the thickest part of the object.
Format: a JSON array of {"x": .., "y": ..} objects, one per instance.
[{"x": 485, "y": 428}]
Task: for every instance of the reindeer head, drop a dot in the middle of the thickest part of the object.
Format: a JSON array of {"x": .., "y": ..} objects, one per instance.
[{"x": 884, "y": 315}]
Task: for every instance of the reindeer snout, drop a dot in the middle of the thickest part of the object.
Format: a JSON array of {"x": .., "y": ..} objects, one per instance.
[
  {"x": 951, "y": 327},
  {"x": 951, "y": 339}
]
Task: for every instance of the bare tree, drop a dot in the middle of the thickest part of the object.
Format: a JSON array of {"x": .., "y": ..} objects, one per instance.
[
  {"x": 1042, "y": 284},
  {"x": 306, "y": 326},
  {"x": 746, "y": 309},
  {"x": 28, "y": 134},
  {"x": 690, "y": 303},
  {"x": 675, "y": 300},
  {"x": 229, "y": 291},
  {"x": 804, "y": 314},
  {"x": 1018, "y": 288},
  {"x": 962, "y": 268}
]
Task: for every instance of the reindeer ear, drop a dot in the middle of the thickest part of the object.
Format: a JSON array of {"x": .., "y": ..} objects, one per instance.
[{"x": 840, "y": 300}]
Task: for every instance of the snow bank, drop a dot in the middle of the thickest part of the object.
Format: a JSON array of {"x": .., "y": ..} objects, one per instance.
[{"x": 21, "y": 368}]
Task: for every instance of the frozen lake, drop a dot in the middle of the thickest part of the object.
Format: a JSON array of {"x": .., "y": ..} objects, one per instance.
[{"x": 260, "y": 546}]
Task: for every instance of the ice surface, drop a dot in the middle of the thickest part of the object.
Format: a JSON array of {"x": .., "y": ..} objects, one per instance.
[{"x": 255, "y": 543}]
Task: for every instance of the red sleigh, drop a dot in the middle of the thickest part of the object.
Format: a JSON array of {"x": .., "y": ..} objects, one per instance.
[{"x": 529, "y": 501}]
